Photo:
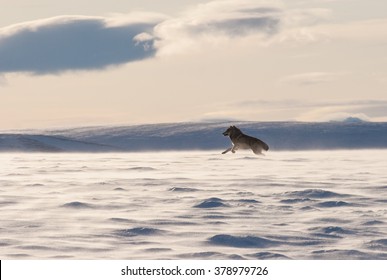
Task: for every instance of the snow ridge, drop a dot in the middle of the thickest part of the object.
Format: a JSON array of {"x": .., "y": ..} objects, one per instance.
[{"x": 198, "y": 136}]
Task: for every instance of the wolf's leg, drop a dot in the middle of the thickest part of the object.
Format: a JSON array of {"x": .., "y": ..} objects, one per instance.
[
  {"x": 226, "y": 151},
  {"x": 234, "y": 148}
]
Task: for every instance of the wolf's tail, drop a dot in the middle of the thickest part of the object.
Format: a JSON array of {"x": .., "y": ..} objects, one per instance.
[{"x": 264, "y": 145}]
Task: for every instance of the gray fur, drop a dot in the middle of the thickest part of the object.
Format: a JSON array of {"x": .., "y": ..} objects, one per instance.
[{"x": 243, "y": 141}]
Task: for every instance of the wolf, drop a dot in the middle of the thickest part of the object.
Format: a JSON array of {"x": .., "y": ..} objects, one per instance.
[{"x": 243, "y": 141}]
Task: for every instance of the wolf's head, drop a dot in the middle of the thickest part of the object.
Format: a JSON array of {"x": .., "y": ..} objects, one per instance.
[{"x": 231, "y": 130}]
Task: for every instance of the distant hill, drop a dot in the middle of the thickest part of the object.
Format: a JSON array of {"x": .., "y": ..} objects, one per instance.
[{"x": 199, "y": 136}]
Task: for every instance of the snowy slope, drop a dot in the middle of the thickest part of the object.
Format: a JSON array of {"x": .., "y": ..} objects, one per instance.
[
  {"x": 46, "y": 143},
  {"x": 200, "y": 136}
]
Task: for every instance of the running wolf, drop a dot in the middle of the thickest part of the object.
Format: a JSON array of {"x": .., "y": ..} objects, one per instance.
[{"x": 243, "y": 141}]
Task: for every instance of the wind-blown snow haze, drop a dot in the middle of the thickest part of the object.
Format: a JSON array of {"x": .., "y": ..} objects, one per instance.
[{"x": 194, "y": 205}]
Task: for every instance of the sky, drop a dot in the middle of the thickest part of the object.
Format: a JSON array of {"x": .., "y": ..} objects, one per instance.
[{"x": 80, "y": 62}]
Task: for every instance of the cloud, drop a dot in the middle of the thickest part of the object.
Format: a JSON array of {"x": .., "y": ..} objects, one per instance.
[
  {"x": 312, "y": 78},
  {"x": 66, "y": 43},
  {"x": 345, "y": 116},
  {"x": 361, "y": 31},
  {"x": 3, "y": 80},
  {"x": 368, "y": 110},
  {"x": 302, "y": 110},
  {"x": 215, "y": 21}
]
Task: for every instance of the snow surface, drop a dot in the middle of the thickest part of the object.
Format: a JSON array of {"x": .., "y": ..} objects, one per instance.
[
  {"x": 194, "y": 205},
  {"x": 198, "y": 136}
]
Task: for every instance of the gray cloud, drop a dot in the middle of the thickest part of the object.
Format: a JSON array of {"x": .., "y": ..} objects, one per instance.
[
  {"x": 235, "y": 23},
  {"x": 224, "y": 18},
  {"x": 210, "y": 23},
  {"x": 245, "y": 25},
  {"x": 72, "y": 43},
  {"x": 68, "y": 43}
]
